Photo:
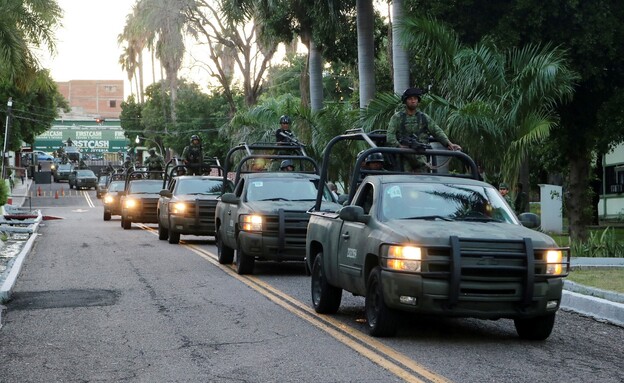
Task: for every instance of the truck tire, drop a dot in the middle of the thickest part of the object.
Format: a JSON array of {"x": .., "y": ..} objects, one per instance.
[
  {"x": 163, "y": 233},
  {"x": 225, "y": 253},
  {"x": 538, "y": 328},
  {"x": 382, "y": 320},
  {"x": 174, "y": 237},
  {"x": 244, "y": 262},
  {"x": 325, "y": 297},
  {"x": 126, "y": 223},
  {"x": 107, "y": 215}
]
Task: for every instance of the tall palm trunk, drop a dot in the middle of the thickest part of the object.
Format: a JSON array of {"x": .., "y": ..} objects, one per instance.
[
  {"x": 366, "y": 51},
  {"x": 400, "y": 62},
  {"x": 316, "y": 77}
]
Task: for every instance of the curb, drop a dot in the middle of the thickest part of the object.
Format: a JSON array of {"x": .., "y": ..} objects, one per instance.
[
  {"x": 598, "y": 308},
  {"x": 9, "y": 282}
]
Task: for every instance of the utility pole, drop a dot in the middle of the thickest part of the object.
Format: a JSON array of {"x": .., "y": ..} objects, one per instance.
[{"x": 6, "y": 136}]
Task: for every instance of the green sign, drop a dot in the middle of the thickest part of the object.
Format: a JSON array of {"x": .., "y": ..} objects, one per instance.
[{"x": 89, "y": 139}]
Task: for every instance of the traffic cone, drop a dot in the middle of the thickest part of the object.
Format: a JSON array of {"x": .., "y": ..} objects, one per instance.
[
  {"x": 63, "y": 192},
  {"x": 39, "y": 191},
  {"x": 56, "y": 194}
]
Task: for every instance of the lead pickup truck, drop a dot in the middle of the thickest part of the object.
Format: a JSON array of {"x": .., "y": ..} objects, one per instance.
[{"x": 443, "y": 244}]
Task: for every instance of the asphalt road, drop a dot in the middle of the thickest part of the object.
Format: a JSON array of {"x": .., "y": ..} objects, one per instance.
[{"x": 96, "y": 302}]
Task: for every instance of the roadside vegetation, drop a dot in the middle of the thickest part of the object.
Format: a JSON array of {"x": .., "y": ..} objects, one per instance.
[{"x": 611, "y": 279}]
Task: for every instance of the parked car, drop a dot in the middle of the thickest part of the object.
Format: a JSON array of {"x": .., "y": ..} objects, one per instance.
[
  {"x": 112, "y": 199},
  {"x": 43, "y": 156},
  {"x": 62, "y": 172},
  {"x": 82, "y": 179}
]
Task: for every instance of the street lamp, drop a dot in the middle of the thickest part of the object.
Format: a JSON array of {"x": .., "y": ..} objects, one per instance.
[
  {"x": 138, "y": 139},
  {"x": 6, "y": 135}
]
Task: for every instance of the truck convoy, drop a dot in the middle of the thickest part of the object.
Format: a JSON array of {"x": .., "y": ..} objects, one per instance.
[{"x": 431, "y": 243}]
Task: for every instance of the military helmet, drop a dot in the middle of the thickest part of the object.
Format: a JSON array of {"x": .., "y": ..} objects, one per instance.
[
  {"x": 503, "y": 186},
  {"x": 152, "y": 151},
  {"x": 375, "y": 157},
  {"x": 286, "y": 163},
  {"x": 284, "y": 119},
  {"x": 410, "y": 92},
  {"x": 195, "y": 137}
]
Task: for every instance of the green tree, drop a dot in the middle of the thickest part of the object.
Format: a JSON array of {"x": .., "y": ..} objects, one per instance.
[{"x": 592, "y": 33}]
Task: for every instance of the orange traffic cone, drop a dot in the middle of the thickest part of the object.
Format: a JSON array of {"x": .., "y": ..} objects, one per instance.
[
  {"x": 39, "y": 191},
  {"x": 56, "y": 194},
  {"x": 63, "y": 192}
]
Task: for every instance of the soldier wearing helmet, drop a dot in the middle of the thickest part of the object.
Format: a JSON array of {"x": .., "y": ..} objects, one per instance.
[
  {"x": 412, "y": 123},
  {"x": 287, "y": 166},
  {"x": 193, "y": 155},
  {"x": 283, "y": 134},
  {"x": 154, "y": 163},
  {"x": 375, "y": 161}
]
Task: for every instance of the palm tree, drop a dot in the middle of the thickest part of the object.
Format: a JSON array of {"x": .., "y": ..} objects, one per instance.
[
  {"x": 497, "y": 104},
  {"x": 24, "y": 25},
  {"x": 400, "y": 61},
  {"x": 366, "y": 50}
]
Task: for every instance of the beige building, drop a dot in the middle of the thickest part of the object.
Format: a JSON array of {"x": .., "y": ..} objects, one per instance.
[{"x": 93, "y": 98}]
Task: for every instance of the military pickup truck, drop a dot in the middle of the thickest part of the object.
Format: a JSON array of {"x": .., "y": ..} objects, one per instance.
[
  {"x": 187, "y": 203},
  {"x": 265, "y": 217},
  {"x": 432, "y": 243},
  {"x": 139, "y": 198}
]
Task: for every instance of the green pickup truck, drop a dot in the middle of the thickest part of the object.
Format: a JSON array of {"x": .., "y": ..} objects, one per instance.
[
  {"x": 432, "y": 243},
  {"x": 265, "y": 217}
]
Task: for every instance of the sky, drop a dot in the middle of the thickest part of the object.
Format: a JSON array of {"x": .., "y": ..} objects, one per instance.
[{"x": 87, "y": 41}]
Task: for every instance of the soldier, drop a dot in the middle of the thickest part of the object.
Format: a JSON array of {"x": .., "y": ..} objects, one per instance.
[
  {"x": 504, "y": 191},
  {"x": 154, "y": 163},
  {"x": 283, "y": 134},
  {"x": 287, "y": 166},
  {"x": 375, "y": 161},
  {"x": 411, "y": 123},
  {"x": 193, "y": 155}
]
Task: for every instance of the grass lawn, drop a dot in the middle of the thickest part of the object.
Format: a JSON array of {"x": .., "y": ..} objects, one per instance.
[{"x": 611, "y": 279}]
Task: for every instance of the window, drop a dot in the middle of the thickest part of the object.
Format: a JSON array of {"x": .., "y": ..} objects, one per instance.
[
  {"x": 112, "y": 103},
  {"x": 110, "y": 88}
]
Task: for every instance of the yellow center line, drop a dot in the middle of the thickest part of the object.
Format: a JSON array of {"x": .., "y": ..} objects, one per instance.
[{"x": 395, "y": 362}]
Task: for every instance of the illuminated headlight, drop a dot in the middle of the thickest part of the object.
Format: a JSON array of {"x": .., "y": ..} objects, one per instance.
[
  {"x": 404, "y": 258},
  {"x": 130, "y": 203},
  {"x": 554, "y": 259},
  {"x": 108, "y": 199},
  {"x": 251, "y": 223},
  {"x": 52, "y": 167},
  {"x": 178, "y": 208}
]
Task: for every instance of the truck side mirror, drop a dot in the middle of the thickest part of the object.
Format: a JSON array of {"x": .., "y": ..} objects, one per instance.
[
  {"x": 165, "y": 193},
  {"x": 230, "y": 198},
  {"x": 529, "y": 220},
  {"x": 353, "y": 213}
]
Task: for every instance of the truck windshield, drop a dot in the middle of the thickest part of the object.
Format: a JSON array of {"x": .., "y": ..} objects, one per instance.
[
  {"x": 443, "y": 201},
  {"x": 278, "y": 189},
  {"x": 145, "y": 186},
  {"x": 199, "y": 186}
]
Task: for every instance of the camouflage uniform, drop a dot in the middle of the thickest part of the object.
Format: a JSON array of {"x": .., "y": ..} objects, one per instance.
[
  {"x": 403, "y": 126},
  {"x": 193, "y": 155},
  {"x": 154, "y": 163}
]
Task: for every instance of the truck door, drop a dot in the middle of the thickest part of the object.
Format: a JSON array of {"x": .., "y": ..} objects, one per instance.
[{"x": 352, "y": 243}]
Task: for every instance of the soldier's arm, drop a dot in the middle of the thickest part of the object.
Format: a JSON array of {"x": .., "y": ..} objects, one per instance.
[{"x": 393, "y": 126}]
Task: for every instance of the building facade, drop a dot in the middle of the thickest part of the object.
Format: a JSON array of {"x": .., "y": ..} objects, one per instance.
[
  {"x": 93, "y": 98},
  {"x": 611, "y": 205}
]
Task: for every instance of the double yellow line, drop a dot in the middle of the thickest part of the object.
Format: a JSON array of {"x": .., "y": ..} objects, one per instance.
[{"x": 391, "y": 360}]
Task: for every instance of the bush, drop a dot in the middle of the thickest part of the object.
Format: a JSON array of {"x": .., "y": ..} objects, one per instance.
[
  {"x": 4, "y": 192},
  {"x": 599, "y": 244}
]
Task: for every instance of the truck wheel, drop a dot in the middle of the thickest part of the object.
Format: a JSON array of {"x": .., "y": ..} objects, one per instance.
[
  {"x": 107, "y": 215},
  {"x": 163, "y": 233},
  {"x": 244, "y": 262},
  {"x": 174, "y": 237},
  {"x": 126, "y": 223},
  {"x": 225, "y": 253},
  {"x": 538, "y": 328},
  {"x": 381, "y": 319},
  {"x": 325, "y": 297}
]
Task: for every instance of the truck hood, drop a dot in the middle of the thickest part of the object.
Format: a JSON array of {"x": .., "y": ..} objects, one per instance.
[
  {"x": 193, "y": 197},
  {"x": 438, "y": 232},
  {"x": 302, "y": 206}
]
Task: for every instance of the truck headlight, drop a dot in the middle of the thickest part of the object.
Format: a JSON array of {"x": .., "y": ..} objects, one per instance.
[
  {"x": 178, "y": 208},
  {"x": 251, "y": 222},
  {"x": 404, "y": 258},
  {"x": 554, "y": 262},
  {"x": 130, "y": 203},
  {"x": 108, "y": 199}
]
